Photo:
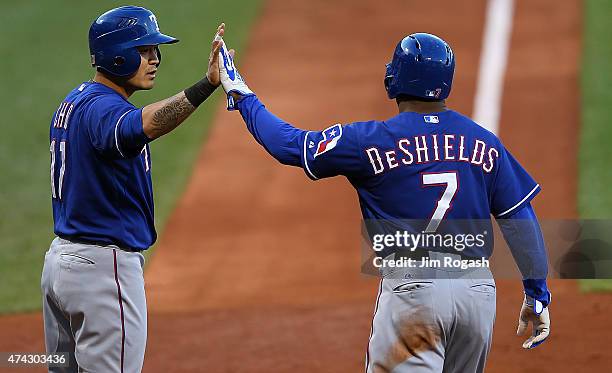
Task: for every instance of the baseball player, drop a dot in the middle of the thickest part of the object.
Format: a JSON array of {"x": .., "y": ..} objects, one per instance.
[
  {"x": 92, "y": 282},
  {"x": 431, "y": 164}
]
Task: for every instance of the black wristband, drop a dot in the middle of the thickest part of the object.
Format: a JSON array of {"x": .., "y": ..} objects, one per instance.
[{"x": 199, "y": 92}]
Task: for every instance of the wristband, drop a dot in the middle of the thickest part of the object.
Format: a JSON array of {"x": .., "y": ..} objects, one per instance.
[
  {"x": 199, "y": 92},
  {"x": 537, "y": 290}
]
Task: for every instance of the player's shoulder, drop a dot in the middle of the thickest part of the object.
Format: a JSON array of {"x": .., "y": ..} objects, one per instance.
[
  {"x": 98, "y": 105},
  {"x": 350, "y": 130},
  {"x": 362, "y": 128},
  {"x": 97, "y": 97},
  {"x": 336, "y": 136},
  {"x": 467, "y": 124}
]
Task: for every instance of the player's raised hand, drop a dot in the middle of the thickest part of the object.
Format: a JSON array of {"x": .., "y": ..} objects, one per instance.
[
  {"x": 233, "y": 84},
  {"x": 213, "y": 59},
  {"x": 533, "y": 311}
]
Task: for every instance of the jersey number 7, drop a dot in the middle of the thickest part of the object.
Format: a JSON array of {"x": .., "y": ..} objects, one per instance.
[{"x": 451, "y": 182}]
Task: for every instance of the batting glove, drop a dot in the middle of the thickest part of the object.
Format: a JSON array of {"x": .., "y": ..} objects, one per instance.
[
  {"x": 231, "y": 80},
  {"x": 535, "y": 312}
]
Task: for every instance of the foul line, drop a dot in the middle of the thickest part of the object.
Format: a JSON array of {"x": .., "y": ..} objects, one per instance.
[{"x": 493, "y": 60}]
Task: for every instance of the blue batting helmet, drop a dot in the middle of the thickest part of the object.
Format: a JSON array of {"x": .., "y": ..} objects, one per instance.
[
  {"x": 116, "y": 34},
  {"x": 422, "y": 66}
]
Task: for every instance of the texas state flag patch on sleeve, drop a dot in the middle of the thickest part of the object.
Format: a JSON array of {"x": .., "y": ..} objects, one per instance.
[{"x": 331, "y": 136}]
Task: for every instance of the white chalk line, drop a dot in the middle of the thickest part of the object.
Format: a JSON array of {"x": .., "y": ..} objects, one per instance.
[{"x": 492, "y": 66}]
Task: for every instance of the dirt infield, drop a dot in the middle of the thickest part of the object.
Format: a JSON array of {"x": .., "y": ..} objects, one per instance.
[{"x": 258, "y": 267}]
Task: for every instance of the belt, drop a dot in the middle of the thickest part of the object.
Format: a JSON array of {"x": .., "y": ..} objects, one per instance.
[{"x": 79, "y": 240}]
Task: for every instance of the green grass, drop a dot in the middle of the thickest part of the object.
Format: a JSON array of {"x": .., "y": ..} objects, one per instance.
[
  {"x": 44, "y": 55},
  {"x": 596, "y": 286},
  {"x": 595, "y": 179}
]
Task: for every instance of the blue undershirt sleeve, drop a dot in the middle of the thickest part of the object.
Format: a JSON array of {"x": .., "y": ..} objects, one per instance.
[
  {"x": 522, "y": 232},
  {"x": 322, "y": 153},
  {"x": 279, "y": 138}
]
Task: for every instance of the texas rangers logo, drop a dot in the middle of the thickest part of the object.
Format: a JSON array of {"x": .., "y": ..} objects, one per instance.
[
  {"x": 154, "y": 20},
  {"x": 331, "y": 136}
]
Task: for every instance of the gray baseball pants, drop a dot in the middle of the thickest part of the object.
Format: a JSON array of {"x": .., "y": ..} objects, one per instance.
[
  {"x": 432, "y": 320},
  {"x": 94, "y": 307}
]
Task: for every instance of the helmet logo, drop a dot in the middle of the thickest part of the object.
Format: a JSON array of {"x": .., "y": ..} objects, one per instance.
[
  {"x": 154, "y": 20},
  {"x": 433, "y": 94},
  {"x": 119, "y": 60},
  {"x": 127, "y": 22}
]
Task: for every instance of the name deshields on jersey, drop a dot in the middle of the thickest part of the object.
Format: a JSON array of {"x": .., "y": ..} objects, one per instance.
[{"x": 433, "y": 148}]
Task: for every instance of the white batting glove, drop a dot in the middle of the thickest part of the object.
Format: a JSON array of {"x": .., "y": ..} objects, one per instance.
[
  {"x": 534, "y": 311},
  {"x": 231, "y": 80}
]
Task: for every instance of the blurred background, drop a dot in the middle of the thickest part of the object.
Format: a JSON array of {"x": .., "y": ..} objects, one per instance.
[{"x": 314, "y": 63}]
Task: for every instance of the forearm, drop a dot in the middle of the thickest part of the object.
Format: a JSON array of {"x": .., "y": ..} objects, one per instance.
[
  {"x": 524, "y": 237},
  {"x": 279, "y": 138},
  {"x": 161, "y": 117}
]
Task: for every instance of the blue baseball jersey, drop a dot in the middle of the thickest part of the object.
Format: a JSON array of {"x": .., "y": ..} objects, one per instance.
[
  {"x": 432, "y": 166},
  {"x": 101, "y": 169}
]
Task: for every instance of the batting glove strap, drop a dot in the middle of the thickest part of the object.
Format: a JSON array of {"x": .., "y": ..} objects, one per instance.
[{"x": 231, "y": 80}]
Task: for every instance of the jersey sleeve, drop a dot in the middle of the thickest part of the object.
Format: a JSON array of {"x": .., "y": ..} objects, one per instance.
[
  {"x": 331, "y": 152},
  {"x": 115, "y": 128},
  {"x": 512, "y": 187}
]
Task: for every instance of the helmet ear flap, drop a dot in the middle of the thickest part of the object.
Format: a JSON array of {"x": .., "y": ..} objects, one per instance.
[
  {"x": 388, "y": 78},
  {"x": 387, "y": 81},
  {"x": 159, "y": 55}
]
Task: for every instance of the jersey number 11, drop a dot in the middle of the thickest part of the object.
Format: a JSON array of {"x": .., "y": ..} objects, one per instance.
[{"x": 62, "y": 149}]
